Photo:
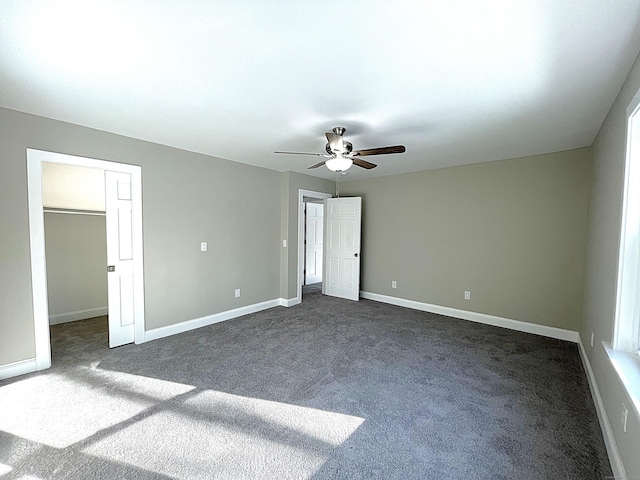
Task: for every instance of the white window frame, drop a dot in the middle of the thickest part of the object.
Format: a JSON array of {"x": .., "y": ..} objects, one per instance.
[
  {"x": 626, "y": 336},
  {"x": 624, "y": 353}
]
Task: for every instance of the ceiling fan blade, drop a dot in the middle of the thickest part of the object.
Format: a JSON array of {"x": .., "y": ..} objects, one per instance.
[
  {"x": 379, "y": 151},
  {"x": 305, "y": 153},
  {"x": 363, "y": 163},
  {"x": 319, "y": 164},
  {"x": 335, "y": 142}
]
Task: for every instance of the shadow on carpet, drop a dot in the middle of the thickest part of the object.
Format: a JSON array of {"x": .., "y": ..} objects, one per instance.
[{"x": 325, "y": 389}]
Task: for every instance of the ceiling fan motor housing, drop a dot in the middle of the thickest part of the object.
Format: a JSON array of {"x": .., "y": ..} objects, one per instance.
[
  {"x": 348, "y": 147},
  {"x": 340, "y": 155}
]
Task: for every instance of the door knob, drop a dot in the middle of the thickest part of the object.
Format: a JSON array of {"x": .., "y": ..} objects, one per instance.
[
  {"x": 111, "y": 268},
  {"x": 356, "y": 254}
]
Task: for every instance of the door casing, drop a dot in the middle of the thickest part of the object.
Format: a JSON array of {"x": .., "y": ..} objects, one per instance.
[
  {"x": 302, "y": 194},
  {"x": 35, "y": 158}
]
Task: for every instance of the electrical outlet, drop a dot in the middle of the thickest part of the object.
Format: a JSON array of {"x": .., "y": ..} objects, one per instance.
[
  {"x": 284, "y": 243},
  {"x": 592, "y": 338},
  {"x": 623, "y": 417},
  {"x": 203, "y": 246},
  {"x": 237, "y": 292},
  {"x": 467, "y": 295},
  {"x": 393, "y": 284}
]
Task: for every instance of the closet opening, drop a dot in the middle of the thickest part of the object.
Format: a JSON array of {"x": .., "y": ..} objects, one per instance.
[{"x": 76, "y": 255}]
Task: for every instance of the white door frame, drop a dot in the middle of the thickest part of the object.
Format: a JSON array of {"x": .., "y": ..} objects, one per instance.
[
  {"x": 37, "y": 241},
  {"x": 301, "y": 196}
]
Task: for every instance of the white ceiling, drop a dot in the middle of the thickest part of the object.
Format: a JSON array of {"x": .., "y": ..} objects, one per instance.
[{"x": 456, "y": 81}]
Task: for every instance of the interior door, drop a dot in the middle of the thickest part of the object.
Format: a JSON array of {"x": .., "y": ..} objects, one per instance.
[
  {"x": 342, "y": 247},
  {"x": 119, "y": 258},
  {"x": 314, "y": 242}
]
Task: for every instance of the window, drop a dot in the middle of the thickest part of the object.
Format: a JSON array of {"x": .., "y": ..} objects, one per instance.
[
  {"x": 624, "y": 354},
  {"x": 627, "y": 324}
]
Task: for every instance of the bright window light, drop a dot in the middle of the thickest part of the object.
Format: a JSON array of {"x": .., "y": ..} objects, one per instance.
[
  {"x": 624, "y": 355},
  {"x": 85, "y": 399},
  {"x": 274, "y": 438},
  {"x": 627, "y": 323},
  {"x": 185, "y": 435},
  {"x": 4, "y": 469}
]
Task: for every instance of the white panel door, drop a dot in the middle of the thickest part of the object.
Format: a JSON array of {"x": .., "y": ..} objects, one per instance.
[
  {"x": 342, "y": 247},
  {"x": 119, "y": 258},
  {"x": 313, "y": 255}
]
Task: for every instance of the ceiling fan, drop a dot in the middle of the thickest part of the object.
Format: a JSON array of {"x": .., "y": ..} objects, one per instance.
[{"x": 340, "y": 154}]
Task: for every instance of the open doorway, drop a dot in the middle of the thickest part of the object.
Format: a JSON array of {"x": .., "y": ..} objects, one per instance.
[
  {"x": 309, "y": 274},
  {"x": 73, "y": 198},
  {"x": 313, "y": 238},
  {"x": 131, "y": 218}
]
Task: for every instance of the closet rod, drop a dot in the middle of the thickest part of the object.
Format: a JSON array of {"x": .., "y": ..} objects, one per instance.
[{"x": 74, "y": 212}]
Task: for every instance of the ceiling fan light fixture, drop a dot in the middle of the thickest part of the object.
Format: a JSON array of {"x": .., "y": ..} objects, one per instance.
[
  {"x": 339, "y": 164},
  {"x": 341, "y": 156}
]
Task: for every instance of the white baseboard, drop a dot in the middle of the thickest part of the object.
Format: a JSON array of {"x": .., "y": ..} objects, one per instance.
[
  {"x": 289, "y": 302},
  {"x": 17, "y": 368},
  {"x": 546, "y": 331},
  {"x": 610, "y": 443},
  {"x": 77, "y": 315},
  {"x": 187, "y": 325}
]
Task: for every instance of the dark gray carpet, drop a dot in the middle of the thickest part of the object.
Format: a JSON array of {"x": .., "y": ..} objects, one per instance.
[{"x": 326, "y": 389}]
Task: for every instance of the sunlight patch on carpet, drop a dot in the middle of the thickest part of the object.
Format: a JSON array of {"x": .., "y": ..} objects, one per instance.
[
  {"x": 4, "y": 469},
  {"x": 60, "y": 409},
  {"x": 205, "y": 436}
]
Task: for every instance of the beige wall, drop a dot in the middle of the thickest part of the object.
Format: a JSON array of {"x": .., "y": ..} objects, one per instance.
[
  {"x": 511, "y": 232},
  {"x": 233, "y": 207},
  {"x": 187, "y": 198},
  {"x": 76, "y": 251},
  {"x": 601, "y": 267}
]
